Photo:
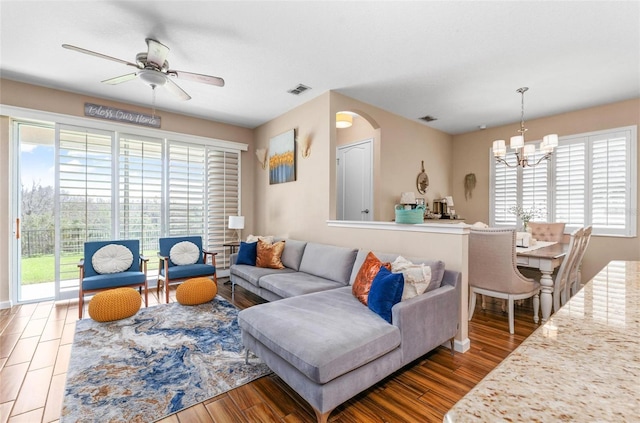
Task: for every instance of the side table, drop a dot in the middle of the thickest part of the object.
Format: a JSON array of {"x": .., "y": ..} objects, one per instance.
[{"x": 233, "y": 246}]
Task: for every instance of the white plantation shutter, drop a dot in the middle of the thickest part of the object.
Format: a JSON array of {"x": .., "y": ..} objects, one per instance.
[
  {"x": 534, "y": 186},
  {"x": 589, "y": 181},
  {"x": 84, "y": 191},
  {"x": 505, "y": 194},
  {"x": 610, "y": 181},
  {"x": 140, "y": 175},
  {"x": 223, "y": 186},
  {"x": 186, "y": 190},
  {"x": 570, "y": 191}
]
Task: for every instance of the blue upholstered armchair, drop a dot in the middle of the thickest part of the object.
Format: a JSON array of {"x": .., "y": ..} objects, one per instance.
[
  {"x": 111, "y": 264},
  {"x": 183, "y": 258}
]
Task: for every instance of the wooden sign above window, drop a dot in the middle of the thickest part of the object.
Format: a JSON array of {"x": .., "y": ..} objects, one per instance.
[{"x": 119, "y": 115}]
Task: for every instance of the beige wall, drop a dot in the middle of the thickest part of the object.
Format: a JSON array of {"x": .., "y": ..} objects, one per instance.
[
  {"x": 45, "y": 99},
  {"x": 300, "y": 209},
  {"x": 471, "y": 155},
  {"x": 401, "y": 147}
]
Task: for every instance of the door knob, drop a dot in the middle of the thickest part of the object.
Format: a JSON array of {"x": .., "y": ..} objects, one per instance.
[{"x": 365, "y": 211}]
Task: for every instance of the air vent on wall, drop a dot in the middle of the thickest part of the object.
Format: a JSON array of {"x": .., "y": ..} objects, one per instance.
[
  {"x": 428, "y": 118},
  {"x": 299, "y": 89}
]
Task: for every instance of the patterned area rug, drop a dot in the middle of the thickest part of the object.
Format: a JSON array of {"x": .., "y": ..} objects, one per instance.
[{"x": 163, "y": 359}]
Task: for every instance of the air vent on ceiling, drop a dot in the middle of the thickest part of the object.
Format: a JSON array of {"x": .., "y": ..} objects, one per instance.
[
  {"x": 299, "y": 89},
  {"x": 428, "y": 118}
]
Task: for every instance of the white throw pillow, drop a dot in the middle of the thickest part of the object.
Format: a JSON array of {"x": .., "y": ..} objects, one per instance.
[
  {"x": 112, "y": 258},
  {"x": 184, "y": 252},
  {"x": 416, "y": 277},
  {"x": 254, "y": 238}
]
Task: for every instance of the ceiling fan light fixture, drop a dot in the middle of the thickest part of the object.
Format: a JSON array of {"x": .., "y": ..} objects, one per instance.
[
  {"x": 152, "y": 78},
  {"x": 343, "y": 120}
]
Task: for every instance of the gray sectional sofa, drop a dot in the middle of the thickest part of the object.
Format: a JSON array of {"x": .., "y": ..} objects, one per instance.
[{"x": 321, "y": 340}]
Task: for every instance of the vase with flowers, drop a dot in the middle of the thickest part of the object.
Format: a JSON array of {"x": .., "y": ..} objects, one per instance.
[{"x": 525, "y": 215}]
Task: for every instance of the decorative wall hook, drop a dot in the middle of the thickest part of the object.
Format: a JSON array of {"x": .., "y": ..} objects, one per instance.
[{"x": 261, "y": 154}]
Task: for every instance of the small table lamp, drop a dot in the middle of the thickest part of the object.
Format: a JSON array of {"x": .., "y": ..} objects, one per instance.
[{"x": 237, "y": 223}]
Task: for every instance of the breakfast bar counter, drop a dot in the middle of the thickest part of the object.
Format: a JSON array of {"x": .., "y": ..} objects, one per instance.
[{"x": 582, "y": 365}]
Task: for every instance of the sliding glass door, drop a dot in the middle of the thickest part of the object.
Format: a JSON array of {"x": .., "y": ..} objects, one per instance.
[
  {"x": 85, "y": 184},
  {"x": 34, "y": 199}
]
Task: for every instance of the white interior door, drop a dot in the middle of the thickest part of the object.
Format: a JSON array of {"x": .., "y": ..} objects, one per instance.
[{"x": 355, "y": 181}]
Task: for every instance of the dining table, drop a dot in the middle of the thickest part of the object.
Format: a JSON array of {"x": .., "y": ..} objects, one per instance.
[{"x": 544, "y": 256}]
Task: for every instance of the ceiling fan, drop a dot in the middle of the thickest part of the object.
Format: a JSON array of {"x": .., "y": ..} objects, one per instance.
[{"x": 153, "y": 69}]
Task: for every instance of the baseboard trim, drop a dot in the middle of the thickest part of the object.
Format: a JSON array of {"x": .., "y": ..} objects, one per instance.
[
  {"x": 462, "y": 346},
  {"x": 5, "y": 304}
]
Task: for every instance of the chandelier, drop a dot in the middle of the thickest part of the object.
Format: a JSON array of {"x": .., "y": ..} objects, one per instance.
[{"x": 524, "y": 152}]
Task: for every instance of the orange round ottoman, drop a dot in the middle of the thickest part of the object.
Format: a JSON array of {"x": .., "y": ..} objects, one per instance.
[
  {"x": 196, "y": 291},
  {"x": 114, "y": 304}
]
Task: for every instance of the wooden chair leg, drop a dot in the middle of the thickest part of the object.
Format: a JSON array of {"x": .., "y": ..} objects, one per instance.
[
  {"x": 322, "y": 417},
  {"x": 166, "y": 289},
  {"x": 80, "y": 303},
  {"x": 472, "y": 303}
]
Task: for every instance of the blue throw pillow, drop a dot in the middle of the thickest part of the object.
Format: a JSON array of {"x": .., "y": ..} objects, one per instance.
[
  {"x": 386, "y": 291},
  {"x": 247, "y": 253}
]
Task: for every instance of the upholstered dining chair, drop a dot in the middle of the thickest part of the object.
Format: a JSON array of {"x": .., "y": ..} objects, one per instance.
[
  {"x": 544, "y": 231},
  {"x": 111, "y": 264},
  {"x": 562, "y": 281},
  {"x": 182, "y": 258},
  {"x": 575, "y": 274},
  {"x": 493, "y": 271}
]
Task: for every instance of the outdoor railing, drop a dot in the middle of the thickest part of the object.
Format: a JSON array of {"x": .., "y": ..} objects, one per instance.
[{"x": 40, "y": 242}]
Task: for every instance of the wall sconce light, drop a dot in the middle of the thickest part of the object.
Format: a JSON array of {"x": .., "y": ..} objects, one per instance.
[
  {"x": 343, "y": 120},
  {"x": 261, "y": 154},
  {"x": 304, "y": 143}
]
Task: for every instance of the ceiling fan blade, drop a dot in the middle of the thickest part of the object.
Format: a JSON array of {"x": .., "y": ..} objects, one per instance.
[
  {"x": 120, "y": 79},
  {"x": 174, "y": 89},
  {"x": 102, "y": 56},
  {"x": 157, "y": 52},
  {"x": 197, "y": 77}
]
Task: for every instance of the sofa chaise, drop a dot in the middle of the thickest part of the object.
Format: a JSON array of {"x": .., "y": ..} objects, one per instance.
[{"x": 322, "y": 341}]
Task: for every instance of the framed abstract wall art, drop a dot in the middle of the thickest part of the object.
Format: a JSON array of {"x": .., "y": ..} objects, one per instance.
[{"x": 282, "y": 158}]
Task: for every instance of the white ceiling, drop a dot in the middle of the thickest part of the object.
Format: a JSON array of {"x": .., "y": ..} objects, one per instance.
[{"x": 460, "y": 61}]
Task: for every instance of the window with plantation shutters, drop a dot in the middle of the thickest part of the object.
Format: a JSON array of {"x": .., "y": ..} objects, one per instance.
[
  {"x": 116, "y": 181},
  {"x": 570, "y": 193},
  {"x": 140, "y": 176},
  {"x": 590, "y": 180},
  {"x": 84, "y": 193},
  {"x": 513, "y": 186},
  {"x": 610, "y": 182},
  {"x": 187, "y": 172},
  {"x": 535, "y": 186},
  {"x": 223, "y": 185},
  {"x": 504, "y": 194}
]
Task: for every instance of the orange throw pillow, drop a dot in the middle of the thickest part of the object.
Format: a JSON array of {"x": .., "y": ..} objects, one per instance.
[
  {"x": 368, "y": 271},
  {"x": 268, "y": 255}
]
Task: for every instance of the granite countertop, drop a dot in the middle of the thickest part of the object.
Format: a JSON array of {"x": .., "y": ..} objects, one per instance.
[{"x": 583, "y": 365}]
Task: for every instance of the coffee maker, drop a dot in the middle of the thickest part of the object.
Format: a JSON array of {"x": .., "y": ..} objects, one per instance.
[{"x": 442, "y": 206}]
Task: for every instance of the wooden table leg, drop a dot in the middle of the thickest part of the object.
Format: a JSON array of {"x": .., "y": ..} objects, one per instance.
[{"x": 546, "y": 295}]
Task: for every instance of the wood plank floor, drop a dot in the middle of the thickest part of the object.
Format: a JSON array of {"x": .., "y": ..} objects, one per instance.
[{"x": 35, "y": 346}]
